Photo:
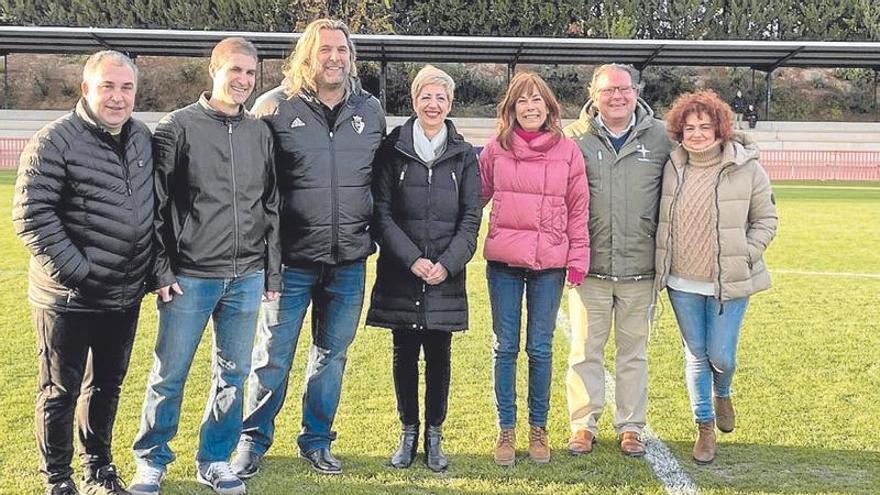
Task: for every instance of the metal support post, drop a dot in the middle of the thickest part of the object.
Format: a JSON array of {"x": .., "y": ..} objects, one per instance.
[{"x": 383, "y": 82}]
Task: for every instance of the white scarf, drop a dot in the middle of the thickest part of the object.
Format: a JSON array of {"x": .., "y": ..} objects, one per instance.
[{"x": 428, "y": 149}]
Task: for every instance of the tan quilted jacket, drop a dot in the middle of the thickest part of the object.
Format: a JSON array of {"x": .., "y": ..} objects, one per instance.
[{"x": 746, "y": 219}]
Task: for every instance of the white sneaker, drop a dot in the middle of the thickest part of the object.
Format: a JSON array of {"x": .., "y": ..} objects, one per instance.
[
  {"x": 219, "y": 476},
  {"x": 147, "y": 480}
]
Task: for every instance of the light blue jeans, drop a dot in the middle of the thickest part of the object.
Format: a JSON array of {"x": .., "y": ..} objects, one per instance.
[
  {"x": 710, "y": 333},
  {"x": 336, "y": 293},
  {"x": 543, "y": 291},
  {"x": 233, "y": 305}
]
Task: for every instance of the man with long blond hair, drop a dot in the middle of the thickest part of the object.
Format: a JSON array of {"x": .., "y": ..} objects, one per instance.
[
  {"x": 624, "y": 148},
  {"x": 326, "y": 130}
]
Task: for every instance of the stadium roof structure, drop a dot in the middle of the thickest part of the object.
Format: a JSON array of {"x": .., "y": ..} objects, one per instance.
[{"x": 759, "y": 55}]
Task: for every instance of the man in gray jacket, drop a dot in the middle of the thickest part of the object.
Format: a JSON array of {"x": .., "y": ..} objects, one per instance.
[
  {"x": 327, "y": 131},
  {"x": 84, "y": 209},
  {"x": 217, "y": 252},
  {"x": 625, "y": 149}
]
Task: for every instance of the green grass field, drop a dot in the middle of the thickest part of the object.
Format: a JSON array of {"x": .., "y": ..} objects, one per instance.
[{"x": 806, "y": 388}]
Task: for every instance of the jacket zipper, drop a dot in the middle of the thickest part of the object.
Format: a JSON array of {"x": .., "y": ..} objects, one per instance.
[
  {"x": 334, "y": 201},
  {"x": 718, "y": 236},
  {"x": 234, "y": 205},
  {"x": 455, "y": 182},
  {"x": 120, "y": 152}
]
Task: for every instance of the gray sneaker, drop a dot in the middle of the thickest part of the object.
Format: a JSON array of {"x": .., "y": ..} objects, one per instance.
[
  {"x": 147, "y": 480},
  {"x": 219, "y": 476},
  {"x": 246, "y": 464}
]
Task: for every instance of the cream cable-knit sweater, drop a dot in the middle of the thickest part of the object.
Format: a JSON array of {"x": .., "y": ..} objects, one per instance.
[{"x": 694, "y": 243}]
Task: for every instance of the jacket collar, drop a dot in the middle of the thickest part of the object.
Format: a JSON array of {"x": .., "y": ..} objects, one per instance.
[
  {"x": 530, "y": 149},
  {"x": 215, "y": 114},
  {"x": 403, "y": 140}
]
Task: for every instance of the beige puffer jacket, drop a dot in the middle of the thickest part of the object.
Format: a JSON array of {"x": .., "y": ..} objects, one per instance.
[{"x": 746, "y": 219}]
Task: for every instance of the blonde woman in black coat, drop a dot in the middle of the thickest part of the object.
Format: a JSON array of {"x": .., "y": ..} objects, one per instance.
[{"x": 426, "y": 188}]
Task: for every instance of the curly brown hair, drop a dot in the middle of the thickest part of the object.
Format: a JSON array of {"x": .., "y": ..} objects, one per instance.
[{"x": 704, "y": 102}]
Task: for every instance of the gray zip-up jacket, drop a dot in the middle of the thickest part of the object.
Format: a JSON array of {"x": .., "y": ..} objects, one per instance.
[
  {"x": 624, "y": 192},
  {"x": 324, "y": 174},
  {"x": 216, "y": 198}
]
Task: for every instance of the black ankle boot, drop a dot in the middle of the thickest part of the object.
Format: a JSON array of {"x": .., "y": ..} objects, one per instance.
[
  {"x": 434, "y": 456},
  {"x": 409, "y": 443}
]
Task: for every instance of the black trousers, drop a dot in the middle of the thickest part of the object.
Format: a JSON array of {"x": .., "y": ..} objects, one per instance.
[
  {"x": 407, "y": 346},
  {"x": 82, "y": 358}
]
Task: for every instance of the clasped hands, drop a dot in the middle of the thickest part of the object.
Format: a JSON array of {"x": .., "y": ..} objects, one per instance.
[{"x": 431, "y": 273}]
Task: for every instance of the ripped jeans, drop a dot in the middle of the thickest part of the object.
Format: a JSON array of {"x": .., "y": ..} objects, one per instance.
[
  {"x": 336, "y": 294},
  {"x": 233, "y": 305}
]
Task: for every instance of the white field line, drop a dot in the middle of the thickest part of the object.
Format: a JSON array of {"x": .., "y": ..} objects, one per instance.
[{"x": 662, "y": 461}]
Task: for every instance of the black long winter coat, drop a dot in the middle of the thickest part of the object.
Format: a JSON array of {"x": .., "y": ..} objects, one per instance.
[
  {"x": 423, "y": 212},
  {"x": 83, "y": 206}
]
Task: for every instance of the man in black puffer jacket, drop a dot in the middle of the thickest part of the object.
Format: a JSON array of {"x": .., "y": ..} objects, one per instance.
[
  {"x": 327, "y": 130},
  {"x": 84, "y": 208}
]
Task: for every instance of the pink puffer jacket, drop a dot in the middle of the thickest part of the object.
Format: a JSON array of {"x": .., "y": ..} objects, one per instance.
[{"x": 540, "y": 203}]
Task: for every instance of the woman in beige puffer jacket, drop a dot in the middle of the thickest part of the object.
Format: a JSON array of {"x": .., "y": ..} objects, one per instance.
[{"x": 717, "y": 216}]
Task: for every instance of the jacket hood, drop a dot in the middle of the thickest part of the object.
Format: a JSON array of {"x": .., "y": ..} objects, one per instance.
[
  {"x": 739, "y": 150},
  {"x": 643, "y": 112},
  {"x": 401, "y": 138}
]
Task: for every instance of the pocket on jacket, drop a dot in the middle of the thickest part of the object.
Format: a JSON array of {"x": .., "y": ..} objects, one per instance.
[
  {"x": 554, "y": 222},
  {"x": 493, "y": 216}
]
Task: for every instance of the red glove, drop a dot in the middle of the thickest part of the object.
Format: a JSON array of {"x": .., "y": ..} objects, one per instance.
[{"x": 575, "y": 277}]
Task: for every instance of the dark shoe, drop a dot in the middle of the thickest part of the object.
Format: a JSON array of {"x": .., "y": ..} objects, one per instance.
[
  {"x": 409, "y": 444},
  {"x": 581, "y": 442},
  {"x": 435, "y": 459},
  {"x": 246, "y": 464},
  {"x": 104, "y": 481},
  {"x": 63, "y": 487},
  {"x": 725, "y": 416},
  {"x": 322, "y": 461},
  {"x": 704, "y": 447},
  {"x": 631, "y": 444}
]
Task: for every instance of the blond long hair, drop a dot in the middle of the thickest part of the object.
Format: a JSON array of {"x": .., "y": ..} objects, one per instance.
[
  {"x": 525, "y": 83},
  {"x": 301, "y": 67}
]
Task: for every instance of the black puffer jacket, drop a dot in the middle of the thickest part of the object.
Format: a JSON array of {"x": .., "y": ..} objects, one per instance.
[
  {"x": 324, "y": 174},
  {"x": 83, "y": 206},
  {"x": 424, "y": 213}
]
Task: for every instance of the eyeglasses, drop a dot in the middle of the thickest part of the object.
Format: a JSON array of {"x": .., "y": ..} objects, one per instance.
[{"x": 624, "y": 90}]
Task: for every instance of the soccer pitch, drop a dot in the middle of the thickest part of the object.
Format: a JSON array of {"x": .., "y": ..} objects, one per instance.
[{"x": 807, "y": 389}]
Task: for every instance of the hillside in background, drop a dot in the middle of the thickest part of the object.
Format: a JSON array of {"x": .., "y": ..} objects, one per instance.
[{"x": 167, "y": 83}]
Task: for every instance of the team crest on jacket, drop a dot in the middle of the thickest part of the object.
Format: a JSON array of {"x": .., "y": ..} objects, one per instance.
[
  {"x": 357, "y": 123},
  {"x": 297, "y": 122},
  {"x": 640, "y": 149}
]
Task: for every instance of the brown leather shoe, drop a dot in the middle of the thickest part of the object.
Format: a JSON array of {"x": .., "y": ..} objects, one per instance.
[
  {"x": 725, "y": 416},
  {"x": 581, "y": 442},
  {"x": 704, "y": 447},
  {"x": 539, "y": 445},
  {"x": 505, "y": 448},
  {"x": 631, "y": 444}
]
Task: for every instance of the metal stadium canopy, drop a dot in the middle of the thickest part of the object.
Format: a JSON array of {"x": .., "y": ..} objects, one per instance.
[
  {"x": 761, "y": 55},
  {"x": 765, "y": 56}
]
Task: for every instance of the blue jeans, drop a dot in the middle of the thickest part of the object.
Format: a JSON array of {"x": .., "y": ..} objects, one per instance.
[
  {"x": 543, "y": 289},
  {"x": 336, "y": 293},
  {"x": 233, "y": 305},
  {"x": 710, "y": 336}
]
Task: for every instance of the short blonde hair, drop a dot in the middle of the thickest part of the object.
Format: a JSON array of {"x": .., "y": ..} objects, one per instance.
[
  {"x": 301, "y": 67},
  {"x": 431, "y": 75},
  {"x": 228, "y": 46}
]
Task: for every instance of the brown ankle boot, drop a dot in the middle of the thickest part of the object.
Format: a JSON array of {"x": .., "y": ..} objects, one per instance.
[
  {"x": 539, "y": 446},
  {"x": 505, "y": 448},
  {"x": 725, "y": 416},
  {"x": 704, "y": 447}
]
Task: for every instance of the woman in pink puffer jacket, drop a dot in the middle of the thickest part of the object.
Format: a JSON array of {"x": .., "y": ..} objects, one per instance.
[{"x": 537, "y": 182}]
